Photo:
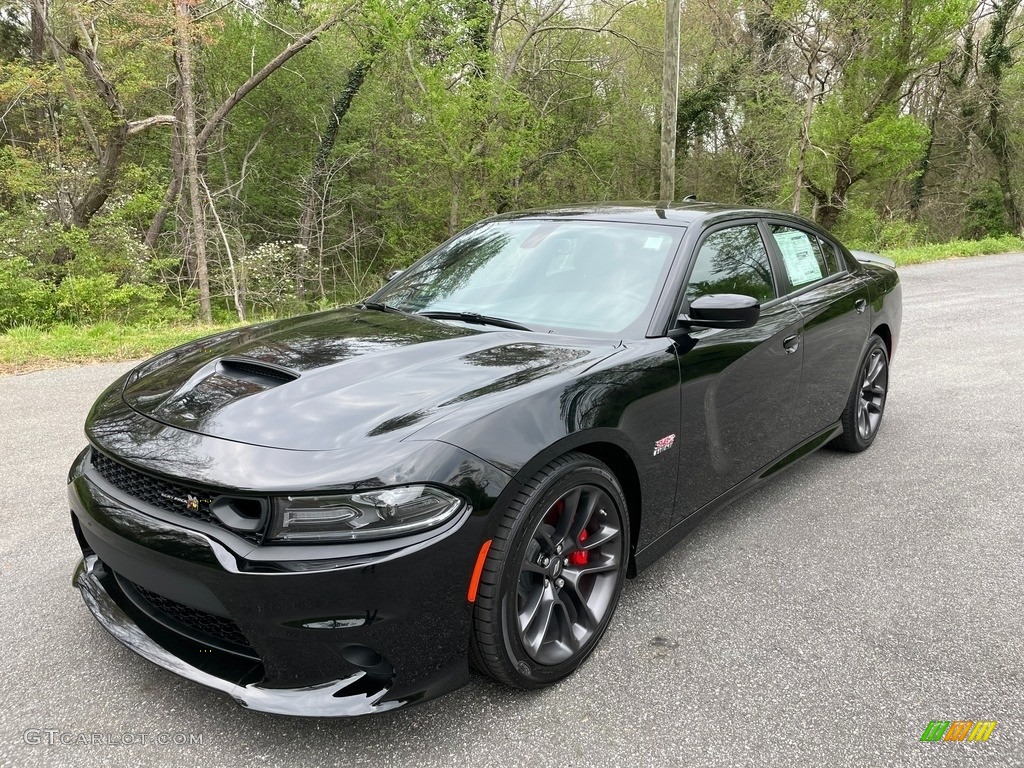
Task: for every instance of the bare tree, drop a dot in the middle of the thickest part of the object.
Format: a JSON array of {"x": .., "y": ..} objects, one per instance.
[
  {"x": 224, "y": 109},
  {"x": 809, "y": 38},
  {"x": 317, "y": 188}
]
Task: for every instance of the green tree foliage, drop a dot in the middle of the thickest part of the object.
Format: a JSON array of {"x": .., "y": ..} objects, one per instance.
[
  {"x": 862, "y": 126},
  {"x": 396, "y": 124}
]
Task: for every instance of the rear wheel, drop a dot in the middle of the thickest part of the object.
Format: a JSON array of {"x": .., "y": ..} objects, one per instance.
[
  {"x": 866, "y": 405},
  {"x": 553, "y": 574}
]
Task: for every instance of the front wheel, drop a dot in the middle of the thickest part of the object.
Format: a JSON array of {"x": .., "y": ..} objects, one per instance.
[
  {"x": 863, "y": 413},
  {"x": 553, "y": 574}
]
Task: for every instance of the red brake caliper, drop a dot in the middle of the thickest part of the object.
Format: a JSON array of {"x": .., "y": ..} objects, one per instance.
[{"x": 580, "y": 556}]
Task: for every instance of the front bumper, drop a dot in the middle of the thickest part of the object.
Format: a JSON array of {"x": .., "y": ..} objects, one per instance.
[
  {"x": 351, "y": 632},
  {"x": 355, "y": 695}
]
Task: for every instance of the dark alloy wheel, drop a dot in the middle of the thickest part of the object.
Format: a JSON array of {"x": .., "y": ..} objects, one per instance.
[
  {"x": 863, "y": 414},
  {"x": 553, "y": 574}
]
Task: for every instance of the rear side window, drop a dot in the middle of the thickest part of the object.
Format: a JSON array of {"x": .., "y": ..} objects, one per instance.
[
  {"x": 832, "y": 256},
  {"x": 732, "y": 260},
  {"x": 804, "y": 256}
]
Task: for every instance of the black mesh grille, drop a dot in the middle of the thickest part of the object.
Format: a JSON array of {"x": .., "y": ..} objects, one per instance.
[
  {"x": 215, "y": 627},
  {"x": 193, "y": 503}
]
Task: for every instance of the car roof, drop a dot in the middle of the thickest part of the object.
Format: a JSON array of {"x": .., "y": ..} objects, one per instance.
[{"x": 676, "y": 214}]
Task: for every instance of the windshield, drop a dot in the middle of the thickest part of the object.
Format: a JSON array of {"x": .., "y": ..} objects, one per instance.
[{"x": 593, "y": 277}]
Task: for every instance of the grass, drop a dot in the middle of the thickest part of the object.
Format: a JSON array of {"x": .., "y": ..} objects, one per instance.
[
  {"x": 27, "y": 348},
  {"x": 919, "y": 254}
]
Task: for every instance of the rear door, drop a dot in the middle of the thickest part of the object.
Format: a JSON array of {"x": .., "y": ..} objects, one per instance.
[
  {"x": 738, "y": 386},
  {"x": 833, "y": 303}
]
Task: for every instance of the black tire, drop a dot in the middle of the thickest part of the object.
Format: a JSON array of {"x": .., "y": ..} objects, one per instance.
[
  {"x": 862, "y": 416},
  {"x": 553, "y": 574}
]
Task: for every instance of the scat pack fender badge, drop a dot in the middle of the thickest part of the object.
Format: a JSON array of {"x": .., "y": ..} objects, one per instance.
[{"x": 664, "y": 444}]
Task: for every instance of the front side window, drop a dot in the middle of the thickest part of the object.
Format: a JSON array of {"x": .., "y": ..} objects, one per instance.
[
  {"x": 732, "y": 260},
  {"x": 577, "y": 276}
]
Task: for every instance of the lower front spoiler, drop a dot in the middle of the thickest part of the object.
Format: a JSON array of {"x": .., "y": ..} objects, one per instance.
[{"x": 338, "y": 698}]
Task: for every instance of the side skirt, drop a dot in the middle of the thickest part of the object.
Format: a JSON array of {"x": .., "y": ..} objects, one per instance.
[{"x": 676, "y": 533}]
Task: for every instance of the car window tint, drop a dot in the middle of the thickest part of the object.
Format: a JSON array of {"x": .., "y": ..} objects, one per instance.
[
  {"x": 732, "y": 260},
  {"x": 832, "y": 258},
  {"x": 802, "y": 255}
]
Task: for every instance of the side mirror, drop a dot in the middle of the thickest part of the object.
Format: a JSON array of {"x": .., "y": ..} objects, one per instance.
[{"x": 719, "y": 310}]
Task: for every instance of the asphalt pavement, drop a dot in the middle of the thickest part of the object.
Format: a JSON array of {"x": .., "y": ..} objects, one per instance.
[{"x": 822, "y": 620}]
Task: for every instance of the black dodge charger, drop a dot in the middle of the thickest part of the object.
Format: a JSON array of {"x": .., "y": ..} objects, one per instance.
[{"x": 340, "y": 513}]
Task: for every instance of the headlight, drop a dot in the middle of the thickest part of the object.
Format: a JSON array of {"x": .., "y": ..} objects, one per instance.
[{"x": 368, "y": 515}]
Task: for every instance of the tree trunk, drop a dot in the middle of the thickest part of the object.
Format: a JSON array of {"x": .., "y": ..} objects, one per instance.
[
  {"x": 103, "y": 185},
  {"x": 236, "y": 280},
  {"x": 1009, "y": 197},
  {"x": 829, "y": 206},
  {"x": 453, "y": 211},
  {"x": 177, "y": 173},
  {"x": 38, "y": 12},
  {"x": 918, "y": 187},
  {"x": 993, "y": 134},
  {"x": 203, "y": 136},
  {"x": 829, "y": 211},
  {"x": 41, "y": 114},
  {"x": 805, "y": 131},
  {"x": 183, "y": 42}
]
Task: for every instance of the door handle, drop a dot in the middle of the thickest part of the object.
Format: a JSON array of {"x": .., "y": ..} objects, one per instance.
[
  {"x": 791, "y": 344},
  {"x": 861, "y": 305}
]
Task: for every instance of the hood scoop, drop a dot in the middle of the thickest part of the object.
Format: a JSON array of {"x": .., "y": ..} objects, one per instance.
[
  {"x": 220, "y": 383},
  {"x": 255, "y": 371}
]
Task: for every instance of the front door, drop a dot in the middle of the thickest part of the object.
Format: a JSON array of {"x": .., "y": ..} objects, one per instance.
[{"x": 738, "y": 386}]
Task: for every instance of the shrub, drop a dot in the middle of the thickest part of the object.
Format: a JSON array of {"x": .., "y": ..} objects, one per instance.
[
  {"x": 82, "y": 300},
  {"x": 985, "y": 213},
  {"x": 23, "y": 299},
  {"x": 865, "y": 229}
]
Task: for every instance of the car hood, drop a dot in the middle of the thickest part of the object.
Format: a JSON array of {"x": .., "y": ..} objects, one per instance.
[{"x": 325, "y": 381}]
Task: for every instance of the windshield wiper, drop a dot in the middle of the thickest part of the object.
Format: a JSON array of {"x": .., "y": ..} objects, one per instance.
[
  {"x": 380, "y": 306},
  {"x": 477, "y": 318}
]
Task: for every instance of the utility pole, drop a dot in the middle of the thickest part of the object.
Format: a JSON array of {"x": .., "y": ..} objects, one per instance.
[{"x": 669, "y": 102}]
